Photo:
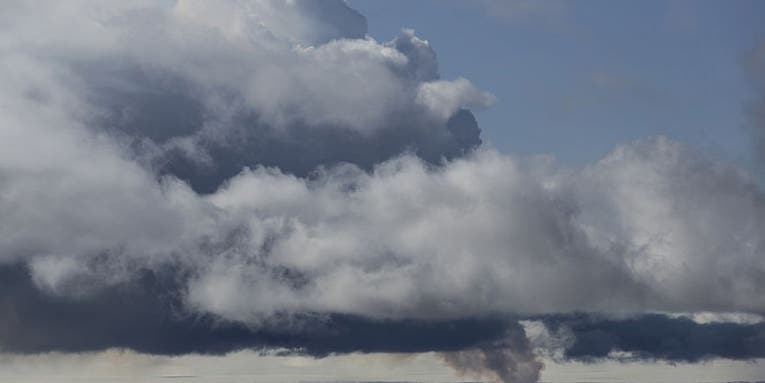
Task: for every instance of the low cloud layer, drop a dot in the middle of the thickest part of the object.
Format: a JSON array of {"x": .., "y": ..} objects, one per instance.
[
  {"x": 206, "y": 177},
  {"x": 654, "y": 337},
  {"x": 147, "y": 315}
]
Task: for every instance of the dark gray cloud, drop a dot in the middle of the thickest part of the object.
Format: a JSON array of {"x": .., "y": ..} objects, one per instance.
[
  {"x": 158, "y": 112},
  {"x": 658, "y": 337},
  {"x": 147, "y": 315}
]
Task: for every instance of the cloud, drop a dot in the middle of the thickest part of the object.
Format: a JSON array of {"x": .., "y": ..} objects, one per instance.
[
  {"x": 207, "y": 177},
  {"x": 147, "y": 315},
  {"x": 656, "y": 337},
  {"x": 443, "y": 98},
  {"x": 201, "y": 90},
  {"x": 413, "y": 241}
]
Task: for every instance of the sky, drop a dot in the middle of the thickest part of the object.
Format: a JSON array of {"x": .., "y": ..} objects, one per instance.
[
  {"x": 573, "y": 80},
  {"x": 285, "y": 191}
]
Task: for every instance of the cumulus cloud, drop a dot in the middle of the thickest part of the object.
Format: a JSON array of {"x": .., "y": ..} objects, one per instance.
[
  {"x": 443, "y": 98},
  {"x": 201, "y": 90},
  {"x": 263, "y": 174},
  {"x": 411, "y": 241}
]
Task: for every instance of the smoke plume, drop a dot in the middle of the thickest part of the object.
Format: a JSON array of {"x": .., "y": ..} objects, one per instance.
[{"x": 507, "y": 359}]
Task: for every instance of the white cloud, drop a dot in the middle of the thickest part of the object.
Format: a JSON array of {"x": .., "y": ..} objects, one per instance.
[
  {"x": 443, "y": 98},
  {"x": 651, "y": 227},
  {"x": 287, "y": 61},
  {"x": 640, "y": 230}
]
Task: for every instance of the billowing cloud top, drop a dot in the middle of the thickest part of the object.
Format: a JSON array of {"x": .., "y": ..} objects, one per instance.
[{"x": 250, "y": 170}]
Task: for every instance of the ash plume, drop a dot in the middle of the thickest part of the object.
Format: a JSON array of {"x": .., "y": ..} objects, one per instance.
[{"x": 509, "y": 359}]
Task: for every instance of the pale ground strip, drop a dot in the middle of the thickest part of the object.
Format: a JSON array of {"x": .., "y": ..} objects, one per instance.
[{"x": 121, "y": 366}]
